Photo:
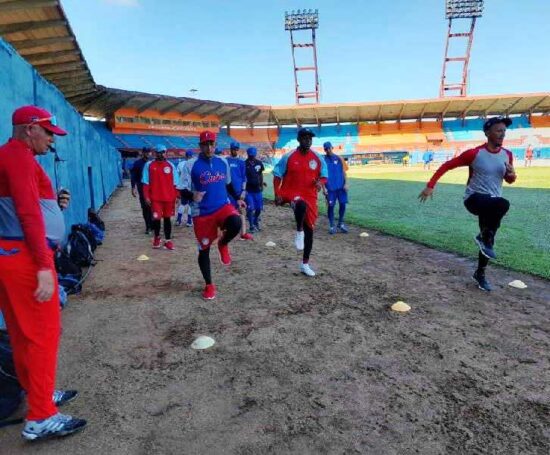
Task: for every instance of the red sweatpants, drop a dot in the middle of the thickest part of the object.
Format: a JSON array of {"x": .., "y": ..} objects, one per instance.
[{"x": 34, "y": 327}]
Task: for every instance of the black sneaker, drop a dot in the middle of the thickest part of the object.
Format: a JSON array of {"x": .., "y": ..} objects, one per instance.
[
  {"x": 486, "y": 250},
  {"x": 58, "y": 425},
  {"x": 482, "y": 283},
  {"x": 62, "y": 397}
]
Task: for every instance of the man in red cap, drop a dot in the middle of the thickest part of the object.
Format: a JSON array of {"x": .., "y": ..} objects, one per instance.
[
  {"x": 206, "y": 182},
  {"x": 31, "y": 227}
]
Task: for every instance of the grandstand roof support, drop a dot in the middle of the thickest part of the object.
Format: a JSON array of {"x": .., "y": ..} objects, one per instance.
[
  {"x": 489, "y": 107},
  {"x": 34, "y": 58},
  {"x": 30, "y": 44},
  {"x": 445, "y": 109},
  {"x": 317, "y": 117},
  {"x": 513, "y": 105},
  {"x": 84, "y": 97},
  {"x": 30, "y": 26},
  {"x": 148, "y": 105},
  {"x": 94, "y": 101},
  {"x": 532, "y": 108},
  {"x": 122, "y": 103},
  {"x": 337, "y": 116},
  {"x": 228, "y": 118},
  {"x": 59, "y": 68},
  {"x": 465, "y": 111},
  {"x": 69, "y": 94},
  {"x": 192, "y": 108},
  {"x": 60, "y": 78},
  {"x": 171, "y": 106},
  {"x": 211, "y": 111},
  {"x": 254, "y": 116}
]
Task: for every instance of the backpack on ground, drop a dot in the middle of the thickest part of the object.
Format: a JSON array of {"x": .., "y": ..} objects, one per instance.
[
  {"x": 85, "y": 229},
  {"x": 99, "y": 235},
  {"x": 79, "y": 248},
  {"x": 94, "y": 218},
  {"x": 11, "y": 393}
]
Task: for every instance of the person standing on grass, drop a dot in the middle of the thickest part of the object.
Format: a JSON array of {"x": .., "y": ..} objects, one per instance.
[
  {"x": 31, "y": 228},
  {"x": 528, "y": 156},
  {"x": 136, "y": 174},
  {"x": 254, "y": 188},
  {"x": 489, "y": 164},
  {"x": 238, "y": 182},
  {"x": 207, "y": 183},
  {"x": 336, "y": 188},
  {"x": 159, "y": 189},
  {"x": 297, "y": 178}
]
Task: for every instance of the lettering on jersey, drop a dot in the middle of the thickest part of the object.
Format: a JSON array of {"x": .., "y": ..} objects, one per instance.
[
  {"x": 167, "y": 169},
  {"x": 207, "y": 177},
  {"x": 313, "y": 164}
]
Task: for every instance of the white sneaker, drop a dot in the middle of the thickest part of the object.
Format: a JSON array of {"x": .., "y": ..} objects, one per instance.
[
  {"x": 299, "y": 240},
  {"x": 307, "y": 270}
]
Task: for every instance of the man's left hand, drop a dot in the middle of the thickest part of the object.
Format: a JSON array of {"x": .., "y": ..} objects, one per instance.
[{"x": 63, "y": 199}]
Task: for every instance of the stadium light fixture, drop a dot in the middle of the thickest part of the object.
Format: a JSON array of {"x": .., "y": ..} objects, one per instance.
[
  {"x": 302, "y": 19},
  {"x": 463, "y": 9}
]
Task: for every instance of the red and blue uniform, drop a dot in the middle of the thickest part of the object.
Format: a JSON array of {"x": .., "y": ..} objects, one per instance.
[
  {"x": 296, "y": 176},
  {"x": 31, "y": 223},
  {"x": 159, "y": 186},
  {"x": 211, "y": 176}
]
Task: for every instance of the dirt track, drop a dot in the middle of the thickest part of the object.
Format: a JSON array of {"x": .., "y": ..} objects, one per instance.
[{"x": 301, "y": 365}]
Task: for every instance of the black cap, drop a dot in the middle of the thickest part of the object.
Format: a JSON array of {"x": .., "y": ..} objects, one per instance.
[
  {"x": 305, "y": 132},
  {"x": 494, "y": 120}
]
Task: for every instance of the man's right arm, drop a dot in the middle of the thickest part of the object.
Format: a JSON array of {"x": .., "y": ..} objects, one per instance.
[{"x": 23, "y": 187}]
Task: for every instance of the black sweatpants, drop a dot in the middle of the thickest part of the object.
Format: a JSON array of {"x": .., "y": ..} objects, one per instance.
[
  {"x": 490, "y": 211},
  {"x": 231, "y": 227},
  {"x": 145, "y": 211},
  {"x": 300, "y": 208}
]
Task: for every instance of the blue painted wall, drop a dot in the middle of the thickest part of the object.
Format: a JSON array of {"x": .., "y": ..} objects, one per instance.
[{"x": 90, "y": 166}]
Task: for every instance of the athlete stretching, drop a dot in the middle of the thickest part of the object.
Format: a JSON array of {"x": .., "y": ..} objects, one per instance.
[
  {"x": 489, "y": 164},
  {"x": 207, "y": 183},
  {"x": 298, "y": 177}
]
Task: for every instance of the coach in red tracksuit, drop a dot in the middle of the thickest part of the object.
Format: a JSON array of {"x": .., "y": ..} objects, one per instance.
[
  {"x": 31, "y": 224},
  {"x": 159, "y": 190}
]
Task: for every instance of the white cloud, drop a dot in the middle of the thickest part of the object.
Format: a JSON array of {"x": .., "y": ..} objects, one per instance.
[{"x": 123, "y": 2}]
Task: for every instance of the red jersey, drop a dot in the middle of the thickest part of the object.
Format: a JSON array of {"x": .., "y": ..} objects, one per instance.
[{"x": 159, "y": 181}]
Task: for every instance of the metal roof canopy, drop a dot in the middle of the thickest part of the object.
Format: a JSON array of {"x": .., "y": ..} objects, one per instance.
[
  {"x": 438, "y": 108},
  {"x": 40, "y": 32}
]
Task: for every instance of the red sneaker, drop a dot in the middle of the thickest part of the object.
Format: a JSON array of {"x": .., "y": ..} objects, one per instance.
[
  {"x": 169, "y": 245},
  {"x": 156, "y": 243},
  {"x": 247, "y": 236},
  {"x": 225, "y": 257},
  {"x": 209, "y": 292}
]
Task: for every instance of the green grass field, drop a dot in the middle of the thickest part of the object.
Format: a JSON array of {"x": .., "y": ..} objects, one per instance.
[{"x": 385, "y": 198}]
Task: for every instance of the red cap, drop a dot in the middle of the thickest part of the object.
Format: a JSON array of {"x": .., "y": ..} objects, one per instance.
[
  {"x": 207, "y": 136},
  {"x": 27, "y": 115}
]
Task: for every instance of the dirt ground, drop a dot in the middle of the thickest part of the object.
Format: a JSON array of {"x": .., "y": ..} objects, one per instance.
[{"x": 301, "y": 365}]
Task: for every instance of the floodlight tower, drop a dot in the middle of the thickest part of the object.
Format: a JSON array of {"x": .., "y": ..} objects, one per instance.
[
  {"x": 304, "y": 20},
  {"x": 459, "y": 9}
]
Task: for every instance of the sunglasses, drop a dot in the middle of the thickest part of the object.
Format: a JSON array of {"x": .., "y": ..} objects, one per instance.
[{"x": 52, "y": 120}]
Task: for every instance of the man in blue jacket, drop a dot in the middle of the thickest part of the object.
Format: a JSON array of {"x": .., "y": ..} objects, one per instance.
[
  {"x": 254, "y": 188},
  {"x": 336, "y": 188},
  {"x": 238, "y": 182},
  {"x": 136, "y": 174},
  {"x": 207, "y": 183}
]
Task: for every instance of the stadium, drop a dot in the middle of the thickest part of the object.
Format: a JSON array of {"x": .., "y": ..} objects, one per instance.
[{"x": 299, "y": 366}]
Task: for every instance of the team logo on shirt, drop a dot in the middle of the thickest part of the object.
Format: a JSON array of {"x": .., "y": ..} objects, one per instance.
[
  {"x": 167, "y": 170},
  {"x": 313, "y": 165},
  {"x": 257, "y": 168},
  {"x": 205, "y": 241}
]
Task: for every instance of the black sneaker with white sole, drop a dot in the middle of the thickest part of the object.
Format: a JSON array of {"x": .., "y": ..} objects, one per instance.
[
  {"x": 482, "y": 283},
  {"x": 486, "y": 250},
  {"x": 58, "y": 425},
  {"x": 62, "y": 397}
]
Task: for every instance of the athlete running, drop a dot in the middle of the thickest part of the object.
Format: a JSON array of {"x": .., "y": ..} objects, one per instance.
[
  {"x": 489, "y": 164},
  {"x": 238, "y": 182}
]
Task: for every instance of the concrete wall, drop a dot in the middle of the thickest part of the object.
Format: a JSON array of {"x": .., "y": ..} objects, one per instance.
[{"x": 90, "y": 166}]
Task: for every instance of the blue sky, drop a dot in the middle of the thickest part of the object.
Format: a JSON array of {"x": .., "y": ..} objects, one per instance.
[{"x": 368, "y": 50}]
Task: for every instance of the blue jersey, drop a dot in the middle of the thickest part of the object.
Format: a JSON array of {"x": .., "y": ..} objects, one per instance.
[
  {"x": 210, "y": 175},
  {"x": 336, "y": 172},
  {"x": 238, "y": 173}
]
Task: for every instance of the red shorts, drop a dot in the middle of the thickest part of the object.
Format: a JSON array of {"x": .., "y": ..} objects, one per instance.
[
  {"x": 312, "y": 211},
  {"x": 162, "y": 209},
  {"x": 206, "y": 226}
]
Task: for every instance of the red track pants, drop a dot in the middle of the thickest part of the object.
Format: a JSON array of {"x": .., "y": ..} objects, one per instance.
[{"x": 34, "y": 327}]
